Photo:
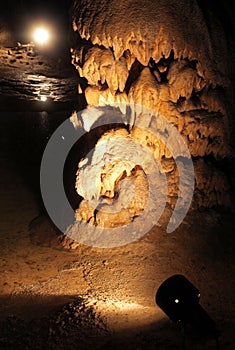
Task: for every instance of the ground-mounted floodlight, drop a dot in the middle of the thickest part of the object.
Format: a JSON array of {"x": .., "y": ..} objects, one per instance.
[{"x": 179, "y": 299}]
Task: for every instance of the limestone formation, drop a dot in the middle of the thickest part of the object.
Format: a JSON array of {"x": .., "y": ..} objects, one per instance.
[{"x": 167, "y": 57}]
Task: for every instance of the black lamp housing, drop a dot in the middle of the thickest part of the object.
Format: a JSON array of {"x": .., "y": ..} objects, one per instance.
[
  {"x": 175, "y": 295},
  {"x": 179, "y": 299}
]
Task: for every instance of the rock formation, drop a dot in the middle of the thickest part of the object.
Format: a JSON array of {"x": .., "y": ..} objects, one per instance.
[{"x": 174, "y": 58}]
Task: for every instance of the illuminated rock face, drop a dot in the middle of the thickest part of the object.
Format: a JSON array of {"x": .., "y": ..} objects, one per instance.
[
  {"x": 115, "y": 186},
  {"x": 165, "y": 56}
]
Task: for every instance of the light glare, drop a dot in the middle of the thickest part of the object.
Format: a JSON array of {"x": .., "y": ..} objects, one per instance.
[{"x": 41, "y": 36}]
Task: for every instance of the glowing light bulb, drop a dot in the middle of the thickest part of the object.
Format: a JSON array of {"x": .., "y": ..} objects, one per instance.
[
  {"x": 43, "y": 98},
  {"x": 41, "y": 36}
]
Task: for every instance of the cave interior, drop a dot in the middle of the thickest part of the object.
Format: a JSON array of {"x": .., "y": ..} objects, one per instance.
[{"x": 142, "y": 94}]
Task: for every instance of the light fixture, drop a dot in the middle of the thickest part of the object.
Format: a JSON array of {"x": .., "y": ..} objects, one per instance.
[
  {"x": 41, "y": 35},
  {"x": 179, "y": 299}
]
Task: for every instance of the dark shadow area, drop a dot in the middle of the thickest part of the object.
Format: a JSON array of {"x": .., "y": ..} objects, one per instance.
[
  {"x": 57, "y": 322},
  {"x": 21, "y": 15},
  {"x": 24, "y": 136}
]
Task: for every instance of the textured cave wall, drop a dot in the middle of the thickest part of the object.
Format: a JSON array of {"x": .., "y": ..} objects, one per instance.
[
  {"x": 6, "y": 37},
  {"x": 8, "y": 18},
  {"x": 174, "y": 57}
]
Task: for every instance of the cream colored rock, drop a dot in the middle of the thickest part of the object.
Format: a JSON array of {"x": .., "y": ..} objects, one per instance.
[
  {"x": 145, "y": 91},
  {"x": 163, "y": 58},
  {"x": 115, "y": 188},
  {"x": 183, "y": 80},
  {"x": 150, "y": 31},
  {"x": 99, "y": 97},
  {"x": 98, "y": 65}
]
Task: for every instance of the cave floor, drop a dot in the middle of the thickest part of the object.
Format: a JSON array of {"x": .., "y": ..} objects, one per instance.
[
  {"x": 29, "y": 74},
  {"x": 104, "y": 298},
  {"x": 59, "y": 298}
]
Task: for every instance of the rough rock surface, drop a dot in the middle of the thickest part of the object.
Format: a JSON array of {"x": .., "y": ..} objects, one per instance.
[
  {"x": 6, "y": 37},
  {"x": 173, "y": 58},
  {"x": 30, "y": 75}
]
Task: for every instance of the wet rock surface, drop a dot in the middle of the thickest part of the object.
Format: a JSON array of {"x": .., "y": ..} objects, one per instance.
[{"x": 28, "y": 75}]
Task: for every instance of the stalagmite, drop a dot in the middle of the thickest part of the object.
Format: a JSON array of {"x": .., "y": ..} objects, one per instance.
[{"x": 161, "y": 56}]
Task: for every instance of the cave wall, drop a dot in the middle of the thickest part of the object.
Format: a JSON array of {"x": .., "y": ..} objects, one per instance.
[
  {"x": 6, "y": 37},
  {"x": 175, "y": 58}
]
